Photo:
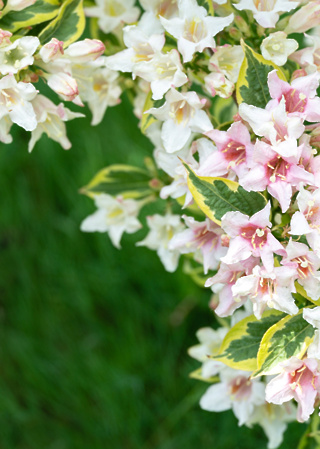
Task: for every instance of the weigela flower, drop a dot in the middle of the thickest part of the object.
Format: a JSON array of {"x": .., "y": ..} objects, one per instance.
[
  {"x": 194, "y": 29},
  {"x": 223, "y": 282},
  {"x": 112, "y": 13},
  {"x": 182, "y": 115},
  {"x": 85, "y": 51},
  {"x": 305, "y": 18},
  {"x": 51, "y": 120},
  {"x": 268, "y": 289},
  {"x": 307, "y": 220},
  {"x": 299, "y": 380},
  {"x": 216, "y": 83},
  {"x": 202, "y": 238},
  {"x": 15, "y": 101},
  {"x": 300, "y": 97},
  {"x": 115, "y": 216},
  {"x": 18, "y": 55},
  {"x": 51, "y": 51},
  {"x": 163, "y": 8},
  {"x": 162, "y": 229},
  {"x": 235, "y": 391},
  {"x": 235, "y": 150},
  {"x": 266, "y": 12},
  {"x": 250, "y": 236},
  {"x": 64, "y": 85},
  {"x": 306, "y": 263},
  {"x": 227, "y": 59},
  {"x": 276, "y": 47}
]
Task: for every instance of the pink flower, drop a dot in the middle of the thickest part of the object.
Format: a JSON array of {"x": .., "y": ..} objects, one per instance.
[
  {"x": 300, "y": 381},
  {"x": 300, "y": 97},
  {"x": 250, "y": 236}
]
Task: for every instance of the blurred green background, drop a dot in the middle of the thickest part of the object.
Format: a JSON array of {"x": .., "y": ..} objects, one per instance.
[{"x": 94, "y": 340}]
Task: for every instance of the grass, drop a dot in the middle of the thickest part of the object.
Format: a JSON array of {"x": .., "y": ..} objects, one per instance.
[{"x": 94, "y": 340}]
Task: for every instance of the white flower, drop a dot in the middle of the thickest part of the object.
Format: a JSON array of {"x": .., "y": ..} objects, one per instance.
[
  {"x": 276, "y": 47},
  {"x": 227, "y": 59},
  {"x": 51, "y": 120},
  {"x": 115, "y": 216},
  {"x": 194, "y": 29},
  {"x": 18, "y": 55},
  {"x": 84, "y": 51},
  {"x": 266, "y": 12},
  {"x": 181, "y": 115},
  {"x": 162, "y": 229},
  {"x": 98, "y": 86},
  {"x": 15, "y": 101},
  {"x": 111, "y": 13},
  {"x": 51, "y": 51}
]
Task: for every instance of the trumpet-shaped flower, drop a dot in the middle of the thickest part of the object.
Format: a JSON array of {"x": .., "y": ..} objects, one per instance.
[
  {"x": 182, "y": 115},
  {"x": 115, "y": 216},
  {"x": 15, "y": 101},
  {"x": 300, "y": 97},
  {"x": 162, "y": 229},
  {"x": 298, "y": 380},
  {"x": 227, "y": 59},
  {"x": 18, "y": 55},
  {"x": 250, "y": 236},
  {"x": 112, "y": 13},
  {"x": 194, "y": 29},
  {"x": 266, "y": 12},
  {"x": 276, "y": 47},
  {"x": 305, "y": 18},
  {"x": 306, "y": 263},
  {"x": 268, "y": 289}
]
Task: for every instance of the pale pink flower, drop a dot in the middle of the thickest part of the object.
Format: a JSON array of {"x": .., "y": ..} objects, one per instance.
[
  {"x": 237, "y": 392},
  {"x": 250, "y": 236},
  {"x": 52, "y": 50},
  {"x": 306, "y": 263},
  {"x": 84, "y": 51},
  {"x": 202, "y": 238},
  {"x": 305, "y": 18},
  {"x": 216, "y": 83},
  {"x": 268, "y": 289},
  {"x": 299, "y": 380},
  {"x": 223, "y": 282},
  {"x": 301, "y": 98}
]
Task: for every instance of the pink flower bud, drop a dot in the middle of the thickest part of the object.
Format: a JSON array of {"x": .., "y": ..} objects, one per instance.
[
  {"x": 52, "y": 50},
  {"x": 217, "y": 84},
  {"x": 5, "y": 37},
  {"x": 225, "y": 240},
  {"x": 85, "y": 51},
  {"x": 298, "y": 73},
  {"x": 64, "y": 85}
]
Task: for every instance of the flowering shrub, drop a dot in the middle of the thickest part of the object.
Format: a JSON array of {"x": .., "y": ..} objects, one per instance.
[{"x": 227, "y": 92}]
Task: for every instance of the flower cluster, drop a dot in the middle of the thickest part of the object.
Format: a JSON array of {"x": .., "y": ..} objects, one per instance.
[{"x": 228, "y": 96}]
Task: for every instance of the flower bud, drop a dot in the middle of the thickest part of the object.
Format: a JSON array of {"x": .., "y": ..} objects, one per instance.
[
  {"x": 85, "y": 51},
  {"x": 52, "y": 50},
  {"x": 217, "y": 84},
  {"x": 5, "y": 38},
  {"x": 64, "y": 85},
  {"x": 298, "y": 73},
  {"x": 242, "y": 25}
]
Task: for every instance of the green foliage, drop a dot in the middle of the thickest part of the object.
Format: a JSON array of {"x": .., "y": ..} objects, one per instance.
[
  {"x": 252, "y": 86},
  {"x": 208, "y": 5},
  {"x": 290, "y": 337},
  {"x": 41, "y": 11},
  {"x": 240, "y": 346},
  {"x": 125, "y": 180},
  {"x": 68, "y": 26},
  {"x": 217, "y": 196},
  {"x": 147, "y": 118}
]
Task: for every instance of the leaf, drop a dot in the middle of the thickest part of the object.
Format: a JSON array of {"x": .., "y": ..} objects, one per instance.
[
  {"x": 125, "y": 180},
  {"x": 303, "y": 293},
  {"x": 41, "y": 11},
  {"x": 240, "y": 346},
  {"x": 289, "y": 337},
  {"x": 311, "y": 438},
  {"x": 217, "y": 196},
  {"x": 68, "y": 26},
  {"x": 223, "y": 109},
  {"x": 252, "y": 86}
]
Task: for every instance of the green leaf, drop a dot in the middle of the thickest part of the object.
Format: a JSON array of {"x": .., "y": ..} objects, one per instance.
[
  {"x": 311, "y": 438},
  {"x": 217, "y": 196},
  {"x": 197, "y": 374},
  {"x": 41, "y": 11},
  {"x": 289, "y": 337},
  {"x": 68, "y": 26},
  {"x": 240, "y": 346},
  {"x": 252, "y": 86},
  {"x": 125, "y": 180}
]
